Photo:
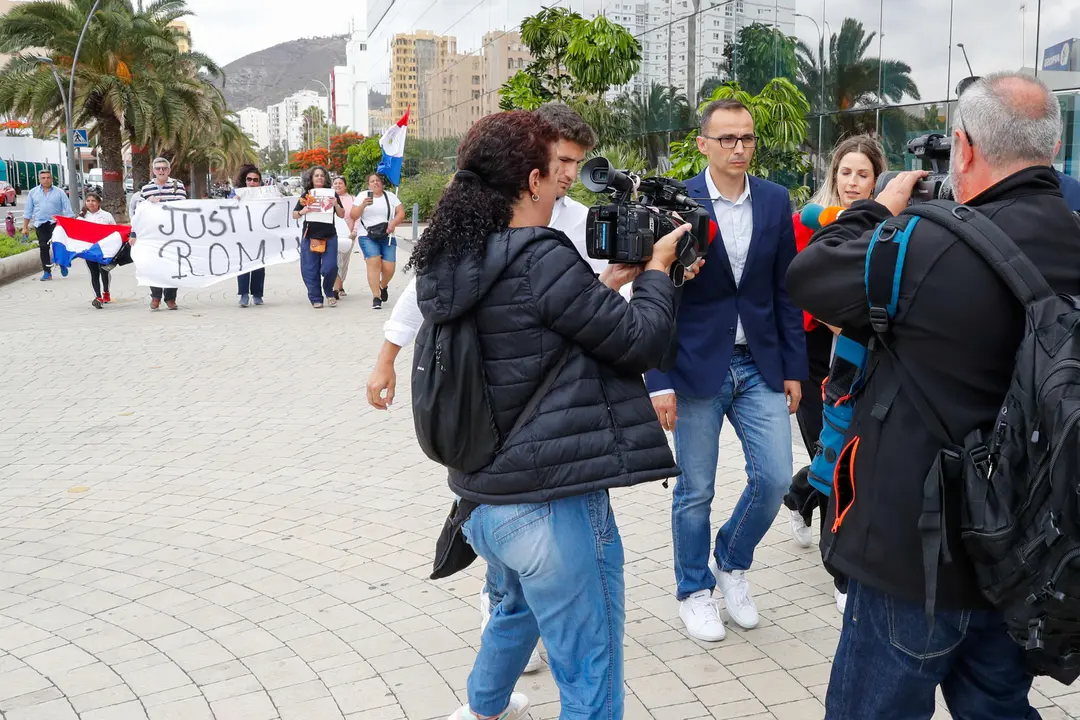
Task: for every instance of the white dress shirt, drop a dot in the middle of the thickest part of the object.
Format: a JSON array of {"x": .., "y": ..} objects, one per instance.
[
  {"x": 735, "y": 221},
  {"x": 568, "y": 215}
]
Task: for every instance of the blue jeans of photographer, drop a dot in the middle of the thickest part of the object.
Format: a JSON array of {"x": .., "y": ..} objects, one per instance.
[
  {"x": 890, "y": 661},
  {"x": 559, "y": 570}
]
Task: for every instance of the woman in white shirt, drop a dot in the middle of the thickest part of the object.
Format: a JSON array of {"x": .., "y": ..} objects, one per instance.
[
  {"x": 99, "y": 278},
  {"x": 346, "y": 232},
  {"x": 381, "y": 213}
]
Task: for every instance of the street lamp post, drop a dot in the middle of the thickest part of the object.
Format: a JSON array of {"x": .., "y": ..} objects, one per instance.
[
  {"x": 74, "y": 186},
  {"x": 328, "y": 114},
  {"x": 821, "y": 72}
]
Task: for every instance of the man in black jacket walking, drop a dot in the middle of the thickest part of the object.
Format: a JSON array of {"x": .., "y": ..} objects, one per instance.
[{"x": 956, "y": 329}]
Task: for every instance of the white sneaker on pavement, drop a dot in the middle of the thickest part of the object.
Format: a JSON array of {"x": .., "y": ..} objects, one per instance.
[
  {"x": 701, "y": 615},
  {"x": 736, "y": 589},
  {"x": 519, "y": 706},
  {"x": 841, "y": 600},
  {"x": 802, "y": 533},
  {"x": 536, "y": 662}
]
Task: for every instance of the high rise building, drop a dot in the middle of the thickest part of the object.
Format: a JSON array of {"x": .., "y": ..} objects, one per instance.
[
  {"x": 466, "y": 87},
  {"x": 285, "y": 120},
  {"x": 183, "y": 43},
  {"x": 349, "y": 82},
  {"x": 683, "y": 41},
  {"x": 415, "y": 55},
  {"x": 256, "y": 123}
]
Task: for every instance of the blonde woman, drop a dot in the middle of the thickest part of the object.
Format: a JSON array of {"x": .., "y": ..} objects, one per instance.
[{"x": 855, "y": 167}]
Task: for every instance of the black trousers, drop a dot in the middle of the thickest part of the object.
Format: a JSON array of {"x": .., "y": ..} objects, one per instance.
[
  {"x": 802, "y": 497},
  {"x": 44, "y": 236},
  {"x": 98, "y": 278},
  {"x": 169, "y": 293}
]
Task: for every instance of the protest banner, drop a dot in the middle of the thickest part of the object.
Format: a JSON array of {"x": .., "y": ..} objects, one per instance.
[{"x": 196, "y": 243}]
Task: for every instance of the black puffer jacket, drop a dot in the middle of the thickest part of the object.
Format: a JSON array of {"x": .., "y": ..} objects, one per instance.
[{"x": 532, "y": 295}]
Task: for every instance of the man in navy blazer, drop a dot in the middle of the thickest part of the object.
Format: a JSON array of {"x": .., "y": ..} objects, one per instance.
[{"x": 741, "y": 355}]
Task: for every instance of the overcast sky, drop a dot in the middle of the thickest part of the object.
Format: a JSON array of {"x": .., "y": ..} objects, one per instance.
[{"x": 916, "y": 31}]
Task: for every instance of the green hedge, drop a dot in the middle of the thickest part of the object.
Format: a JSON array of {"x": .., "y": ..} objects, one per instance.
[
  {"x": 425, "y": 189},
  {"x": 14, "y": 245}
]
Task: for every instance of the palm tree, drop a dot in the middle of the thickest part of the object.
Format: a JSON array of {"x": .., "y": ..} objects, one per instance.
[
  {"x": 653, "y": 117},
  {"x": 176, "y": 89},
  {"x": 852, "y": 80}
]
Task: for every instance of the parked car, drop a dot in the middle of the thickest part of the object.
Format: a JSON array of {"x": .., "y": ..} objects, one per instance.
[{"x": 7, "y": 194}]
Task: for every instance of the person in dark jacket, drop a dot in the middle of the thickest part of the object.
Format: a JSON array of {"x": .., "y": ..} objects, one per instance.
[
  {"x": 1070, "y": 188},
  {"x": 956, "y": 330},
  {"x": 544, "y": 523}
]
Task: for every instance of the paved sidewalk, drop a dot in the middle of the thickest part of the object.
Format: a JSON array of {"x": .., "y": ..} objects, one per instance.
[{"x": 200, "y": 517}]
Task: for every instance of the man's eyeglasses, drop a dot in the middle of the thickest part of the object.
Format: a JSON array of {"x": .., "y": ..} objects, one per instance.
[
  {"x": 728, "y": 142},
  {"x": 161, "y": 169},
  {"x": 253, "y": 179}
]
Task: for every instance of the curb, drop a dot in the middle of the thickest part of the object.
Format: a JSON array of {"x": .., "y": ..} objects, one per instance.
[{"x": 19, "y": 266}]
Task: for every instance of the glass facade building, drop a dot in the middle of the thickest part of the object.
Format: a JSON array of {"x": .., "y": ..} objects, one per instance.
[{"x": 891, "y": 67}]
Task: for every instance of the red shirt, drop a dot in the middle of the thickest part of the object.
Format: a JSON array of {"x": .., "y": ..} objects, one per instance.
[{"x": 802, "y": 239}]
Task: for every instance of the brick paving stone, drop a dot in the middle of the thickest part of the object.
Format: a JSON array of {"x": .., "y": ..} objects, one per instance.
[{"x": 250, "y": 546}]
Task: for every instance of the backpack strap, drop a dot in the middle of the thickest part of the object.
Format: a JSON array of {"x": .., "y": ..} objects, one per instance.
[
  {"x": 991, "y": 243},
  {"x": 884, "y": 266}
]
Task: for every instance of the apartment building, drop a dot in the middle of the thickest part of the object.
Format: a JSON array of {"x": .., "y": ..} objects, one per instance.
[{"x": 415, "y": 55}]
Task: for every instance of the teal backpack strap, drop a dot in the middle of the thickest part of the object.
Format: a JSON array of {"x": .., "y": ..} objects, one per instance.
[{"x": 884, "y": 267}]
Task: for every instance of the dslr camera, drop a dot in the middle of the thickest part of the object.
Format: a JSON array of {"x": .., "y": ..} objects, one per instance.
[
  {"x": 625, "y": 230},
  {"x": 933, "y": 149}
]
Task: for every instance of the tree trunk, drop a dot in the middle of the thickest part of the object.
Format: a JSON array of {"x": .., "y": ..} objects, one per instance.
[
  {"x": 140, "y": 159},
  {"x": 111, "y": 157},
  {"x": 199, "y": 186}
]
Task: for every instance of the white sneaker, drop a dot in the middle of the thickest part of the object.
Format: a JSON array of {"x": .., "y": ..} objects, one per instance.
[
  {"x": 740, "y": 605},
  {"x": 536, "y": 662},
  {"x": 841, "y": 600},
  {"x": 519, "y": 706},
  {"x": 802, "y": 533},
  {"x": 701, "y": 615}
]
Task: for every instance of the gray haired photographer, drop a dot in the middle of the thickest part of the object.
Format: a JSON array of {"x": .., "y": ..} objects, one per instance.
[{"x": 959, "y": 575}]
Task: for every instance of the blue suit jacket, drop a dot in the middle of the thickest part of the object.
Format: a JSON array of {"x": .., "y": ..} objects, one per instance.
[
  {"x": 1070, "y": 188},
  {"x": 711, "y": 303}
]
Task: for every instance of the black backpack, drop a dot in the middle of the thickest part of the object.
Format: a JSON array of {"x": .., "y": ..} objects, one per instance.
[
  {"x": 1020, "y": 479},
  {"x": 452, "y": 412}
]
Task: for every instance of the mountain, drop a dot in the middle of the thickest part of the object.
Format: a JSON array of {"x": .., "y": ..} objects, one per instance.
[{"x": 267, "y": 76}]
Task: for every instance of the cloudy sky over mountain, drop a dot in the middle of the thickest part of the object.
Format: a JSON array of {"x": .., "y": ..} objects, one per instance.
[{"x": 995, "y": 32}]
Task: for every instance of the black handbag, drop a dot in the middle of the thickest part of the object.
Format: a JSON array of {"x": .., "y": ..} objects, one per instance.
[
  {"x": 452, "y": 551},
  {"x": 379, "y": 232}
]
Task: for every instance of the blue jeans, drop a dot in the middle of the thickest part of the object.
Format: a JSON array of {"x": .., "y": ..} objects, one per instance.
[
  {"x": 559, "y": 570},
  {"x": 762, "y": 422},
  {"x": 889, "y": 663},
  {"x": 319, "y": 266},
  {"x": 251, "y": 283}
]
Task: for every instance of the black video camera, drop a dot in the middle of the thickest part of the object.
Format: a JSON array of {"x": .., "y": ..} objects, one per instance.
[
  {"x": 625, "y": 230},
  {"x": 934, "y": 148}
]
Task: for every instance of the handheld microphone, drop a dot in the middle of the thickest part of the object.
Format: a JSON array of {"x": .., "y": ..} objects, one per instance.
[{"x": 816, "y": 217}]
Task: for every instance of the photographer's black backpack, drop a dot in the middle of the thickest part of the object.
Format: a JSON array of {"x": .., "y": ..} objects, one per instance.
[{"x": 1020, "y": 508}]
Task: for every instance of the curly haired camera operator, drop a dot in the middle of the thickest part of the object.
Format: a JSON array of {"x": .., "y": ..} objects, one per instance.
[{"x": 955, "y": 330}]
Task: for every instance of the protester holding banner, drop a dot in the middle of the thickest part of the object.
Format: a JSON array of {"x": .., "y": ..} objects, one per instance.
[
  {"x": 249, "y": 286},
  {"x": 318, "y": 206},
  {"x": 163, "y": 189},
  {"x": 381, "y": 213},
  {"x": 346, "y": 228},
  {"x": 92, "y": 212}
]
